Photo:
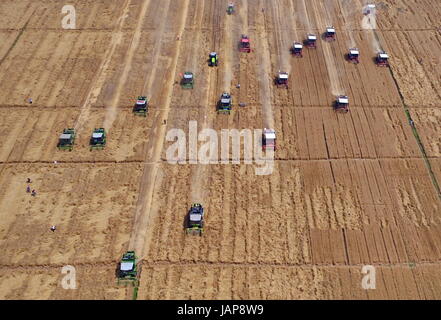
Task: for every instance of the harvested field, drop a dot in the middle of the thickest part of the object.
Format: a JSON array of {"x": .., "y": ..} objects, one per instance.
[{"x": 346, "y": 191}]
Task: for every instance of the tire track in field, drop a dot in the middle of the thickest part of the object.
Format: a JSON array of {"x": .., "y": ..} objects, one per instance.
[
  {"x": 198, "y": 188},
  {"x": 141, "y": 233},
  {"x": 103, "y": 70},
  {"x": 111, "y": 110},
  {"x": 264, "y": 70},
  {"x": 335, "y": 84}
]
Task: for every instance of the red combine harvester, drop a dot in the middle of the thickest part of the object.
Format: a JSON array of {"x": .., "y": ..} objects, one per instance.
[
  {"x": 269, "y": 139},
  {"x": 354, "y": 55},
  {"x": 245, "y": 44},
  {"x": 382, "y": 59},
  {"x": 311, "y": 40},
  {"x": 297, "y": 49},
  {"x": 330, "y": 34},
  {"x": 282, "y": 79},
  {"x": 342, "y": 104}
]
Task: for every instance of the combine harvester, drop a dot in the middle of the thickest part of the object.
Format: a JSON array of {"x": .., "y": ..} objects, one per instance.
[
  {"x": 225, "y": 103},
  {"x": 187, "y": 80},
  {"x": 329, "y": 34},
  {"x": 244, "y": 45},
  {"x": 67, "y": 139},
  {"x": 230, "y": 8},
  {"x": 195, "y": 220},
  {"x": 311, "y": 41},
  {"x": 213, "y": 59},
  {"x": 354, "y": 55},
  {"x": 141, "y": 106},
  {"x": 282, "y": 79},
  {"x": 382, "y": 59},
  {"x": 297, "y": 49},
  {"x": 269, "y": 139},
  {"x": 127, "y": 270},
  {"x": 98, "y": 139},
  {"x": 342, "y": 104}
]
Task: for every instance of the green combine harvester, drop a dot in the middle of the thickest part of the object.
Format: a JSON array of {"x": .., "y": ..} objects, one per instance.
[
  {"x": 141, "y": 106},
  {"x": 127, "y": 270},
  {"x": 195, "y": 220},
  {"x": 67, "y": 139},
  {"x": 187, "y": 81},
  {"x": 230, "y": 8},
  {"x": 98, "y": 139},
  {"x": 225, "y": 103}
]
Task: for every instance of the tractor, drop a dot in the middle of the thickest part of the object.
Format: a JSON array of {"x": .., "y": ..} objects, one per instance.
[
  {"x": 213, "y": 59},
  {"x": 311, "y": 40},
  {"x": 330, "y": 34},
  {"x": 195, "y": 220},
  {"x": 342, "y": 104},
  {"x": 225, "y": 103},
  {"x": 230, "y": 8},
  {"x": 67, "y": 139},
  {"x": 282, "y": 79},
  {"x": 382, "y": 59},
  {"x": 98, "y": 139},
  {"x": 354, "y": 55},
  {"x": 127, "y": 267},
  {"x": 245, "y": 44},
  {"x": 297, "y": 49},
  {"x": 141, "y": 106},
  {"x": 269, "y": 139},
  {"x": 187, "y": 81}
]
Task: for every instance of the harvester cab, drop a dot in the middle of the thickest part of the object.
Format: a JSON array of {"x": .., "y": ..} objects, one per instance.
[
  {"x": 213, "y": 59},
  {"x": 354, "y": 55},
  {"x": 141, "y": 106},
  {"x": 230, "y": 8},
  {"x": 269, "y": 139},
  {"x": 245, "y": 44},
  {"x": 282, "y": 79},
  {"x": 382, "y": 59},
  {"x": 187, "y": 81},
  {"x": 342, "y": 104},
  {"x": 311, "y": 40},
  {"x": 297, "y": 49},
  {"x": 98, "y": 139},
  {"x": 127, "y": 267},
  {"x": 195, "y": 220},
  {"x": 330, "y": 34},
  {"x": 225, "y": 103},
  {"x": 67, "y": 139}
]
